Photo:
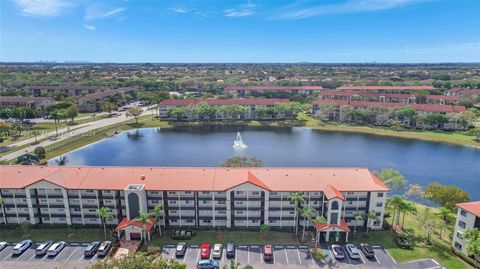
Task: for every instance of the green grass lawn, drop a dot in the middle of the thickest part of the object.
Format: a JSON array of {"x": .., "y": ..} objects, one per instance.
[
  {"x": 83, "y": 235},
  {"x": 225, "y": 236},
  {"x": 439, "y": 250}
]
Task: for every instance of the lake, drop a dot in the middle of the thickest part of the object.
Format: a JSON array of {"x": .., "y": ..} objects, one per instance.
[{"x": 420, "y": 162}]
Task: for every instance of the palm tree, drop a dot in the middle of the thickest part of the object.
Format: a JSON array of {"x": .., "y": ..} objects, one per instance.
[
  {"x": 62, "y": 160},
  {"x": 446, "y": 218},
  {"x": 297, "y": 199},
  {"x": 372, "y": 215},
  {"x": 104, "y": 214},
  {"x": 319, "y": 220},
  {"x": 158, "y": 212},
  {"x": 395, "y": 202},
  {"x": 409, "y": 208},
  {"x": 2, "y": 204},
  {"x": 307, "y": 213},
  {"x": 357, "y": 215},
  {"x": 35, "y": 133},
  {"x": 144, "y": 219}
]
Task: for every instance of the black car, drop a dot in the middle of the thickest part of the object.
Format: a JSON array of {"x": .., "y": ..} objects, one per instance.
[
  {"x": 180, "y": 249},
  {"x": 91, "y": 249},
  {"x": 230, "y": 248},
  {"x": 367, "y": 250}
]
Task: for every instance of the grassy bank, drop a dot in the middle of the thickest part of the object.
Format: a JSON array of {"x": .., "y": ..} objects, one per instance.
[
  {"x": 438, "y": 250},
  {"x": 457, "y": 138}
]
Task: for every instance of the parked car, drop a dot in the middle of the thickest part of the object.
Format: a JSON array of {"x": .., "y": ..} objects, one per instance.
[
  {"x": 352, "y": 251},
  {"x": 20, "y": 247},
  {"x": 104, "y": 248},
  {"x": 230, "y": 248},
  {"x": 367, "y": 250},
  {"x": 43, "y": 247},
  {"x": 217, "y": 251},
  {"x": 338, "y": 252},
  {"x": 207, "y": 264},
  {"x": 3, "y": 245},
  {"x": 205, "y": 251},
  {"x": 91, "y": 249},
  {"x": 180, "y": 249},
  {"x": 267, "y": 253},
  {"x": 403, "y": 242},
  {"x": 56, "y": 248}
]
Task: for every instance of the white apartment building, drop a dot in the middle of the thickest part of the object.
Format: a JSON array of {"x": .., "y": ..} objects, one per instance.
[
  {"x": 468, "y": 216},
  {"x": 190, "y": 197}
]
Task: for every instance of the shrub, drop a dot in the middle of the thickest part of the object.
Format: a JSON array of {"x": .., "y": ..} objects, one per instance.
[{"x": 40, "y": 152}]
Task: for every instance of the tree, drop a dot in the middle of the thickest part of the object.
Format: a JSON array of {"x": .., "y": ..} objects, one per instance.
[
  {"x": 72, "y": 112},
  {"x": 138, "y": 260},
  {"x": 40, "y": 152},
  {"x": 158, "y": 212},
  {"x": 357, "y": 215},
  {"x": 135, "y": 112},
  {"x": 2, "y": 205},
  {"x": 307, "y": 213},
  {"x": 144, "y": 219},
  {"x": 406, "y": 114},
  {"x": 427, "y": 221},
  {"x": 446, "y": 196},
  {"x": 436, "y": 120},
  {"x": 472, "y": 235},
  {"x": 109, "y": 107},
  {"x": 176, "y": 113},
  {"x": 319, "y": 255},
  {"x": 25, "y": 227},
  {"x": 407, "y": 208},
  {"x": 392, "y": 179},
  {"x": 104, "y": 214},
  {"x": 371, "y": 215},
  {"x": 242, "y": 162},
  {"x": 56, "y": 115},
  {"x": 62, "y": 160},
  {"x": 297, "y": 199},
  {"x": 446, "y": 217},
  {"x": 264, "y": 229},
  {"x": 396, "y": 202}
]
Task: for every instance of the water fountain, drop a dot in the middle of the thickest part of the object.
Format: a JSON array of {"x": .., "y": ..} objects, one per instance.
[{"x": 238, "y": 143}]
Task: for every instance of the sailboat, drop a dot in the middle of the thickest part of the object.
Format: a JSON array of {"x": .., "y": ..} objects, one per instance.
[{"x": 238, "y": 143}]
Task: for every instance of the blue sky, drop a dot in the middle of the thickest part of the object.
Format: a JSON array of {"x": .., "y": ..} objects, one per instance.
[{"x": 240, "y": 31}]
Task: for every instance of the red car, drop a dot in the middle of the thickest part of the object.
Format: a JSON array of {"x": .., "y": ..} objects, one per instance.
[{"x": 205, "y": 251}]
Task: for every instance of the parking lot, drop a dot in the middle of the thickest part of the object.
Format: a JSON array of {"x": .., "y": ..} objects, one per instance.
[{"x": 70, "y": 257}]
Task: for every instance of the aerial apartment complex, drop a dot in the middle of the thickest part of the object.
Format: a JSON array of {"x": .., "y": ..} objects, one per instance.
[
  {"x": 245, "y": 91},
  {"x": 468, "y": 216},
  {"x": 191, "y": 197}
]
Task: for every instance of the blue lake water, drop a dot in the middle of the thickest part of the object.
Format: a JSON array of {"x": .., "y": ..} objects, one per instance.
[{"x": 420, "y": 162}]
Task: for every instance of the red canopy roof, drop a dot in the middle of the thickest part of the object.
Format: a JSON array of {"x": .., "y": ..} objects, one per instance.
[
  {"x": 323, "y": 226},
  {"x": 126, "y": 222}
]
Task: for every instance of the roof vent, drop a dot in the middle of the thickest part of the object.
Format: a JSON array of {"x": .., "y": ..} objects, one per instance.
[
  {"x": 103, "y": 168},
  {"x": 142, "y": 177}
]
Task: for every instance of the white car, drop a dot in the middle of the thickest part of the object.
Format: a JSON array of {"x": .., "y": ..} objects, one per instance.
[
  {"x": 3, "y": 245},
  {"x": 338, "y": 252},
  {"x": 43, "y": 247},
  {"x": 19, "y": 248},
  {"x": 352, "y": 251},
  {"x": 56, "y": 248},
  {"x": 217, "y": 251}
]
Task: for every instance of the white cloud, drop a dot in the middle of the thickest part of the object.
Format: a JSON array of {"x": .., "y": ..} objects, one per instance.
[
  {"x": 350, "y": 6},
  {"x": 89, "y": 27},
  {"x": 242, "y": 11},
  {"x": 46, "y": 8},
  {"x": 179, "y": 10},
  {"x": 95, "y": 13}
]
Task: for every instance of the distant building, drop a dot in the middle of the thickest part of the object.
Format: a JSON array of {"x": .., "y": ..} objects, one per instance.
[
  {"x": 24, "y": 101},
  {"x": 67, "y": 89},
  {"x": 468, "y": 216},
  {"x": 245, "y": 91},
  {"x": 252, "y": 105},
  {"x": 463, "y": 92},
  {"x": 387, "y": 97},
  {"x": 398, "y": 89},
  {"x": 92, "y": 102}
]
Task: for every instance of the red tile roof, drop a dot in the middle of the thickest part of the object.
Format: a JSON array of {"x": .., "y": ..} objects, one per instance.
[
  {"x": 273, "y": 88},
  {"x": 191, "y": 178},
  {"x": 389, "y": 88},
  {"x": 220, "y": 102},
  {"x": 25, "y": 99},
  {"x": 367, "y": 94},
  {"x": 472, "y": 207},
  {"x": 443, "y": 97},
  {"x": 320, "y": 227},
  {"x": 470, "y": 92},
  {"x": 126, "y": 222},
  {"x": 420, "y": 107},
  {"x": 331, "y": 192}
]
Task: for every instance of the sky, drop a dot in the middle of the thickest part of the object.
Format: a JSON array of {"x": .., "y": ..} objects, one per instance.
[{"x": 321, "y": 31}]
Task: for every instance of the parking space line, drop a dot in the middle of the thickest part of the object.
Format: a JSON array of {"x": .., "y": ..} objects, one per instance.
[
  {"x": 361, "y": 257},
  {"x": 58, "y": 254},
  {"x": 331, "y": 255},
  {"x": 44, "y": 257},
  {"x": 236, "y": 255},
  {"x": 69, "y": 257},
  {"x": 81, "y": 258},
  {"x": 21, "y": 255},
  {"x": 375, "y": 257},
  {"x": 198, "y": 256},
  {"x": 34, "y": 255},
  {"x": 248, "y": 255},
  {"x": 348, "y": 258},
  {"x": 185, "y": 255},
  {"x": 286, "y": 256},
  {"x": 390, "y": 256},
  {"x": 299, "y": 259},
  {"x": 93, "y": 258}
]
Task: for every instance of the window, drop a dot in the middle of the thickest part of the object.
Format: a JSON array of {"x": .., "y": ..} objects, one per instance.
[
  {"x": 173, "y": 211},
  {"x": 254, "y": 221},
  {"x": 222, "y": 212},
  {"x": 239, "y": 192},
  {"x": 188, "y": 192},
  {"x": 189, "y": 220},
  {"x": 172, "y": 192},
  {"x": 187, "y": 202},
  {"x": 461, "y": 224},
  {"x": 89, "y": 191},
  {"x": 380, "y": 194},
  {"x": 376, "y": 223},
  {"x": 255, "y": 193},
  {"x": 463, "y": 213},
  {"x": 350, "y": 202},
  {"x": 379, "y": 204},
  {"x": 239, "y": 203},
  {"x": 172, "y": 202},
  {"x": 350, "y": 193},
  {"x": 458, "y": 246},
  {"x": 205, "y": 192},
  {"x": 273, "y": 193},
  {"x": 221, "y": 202},
  {"x": 204, "y": 202},
  {"x": 460, "y": 235},
  {"x": 334, "y": 205}
]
